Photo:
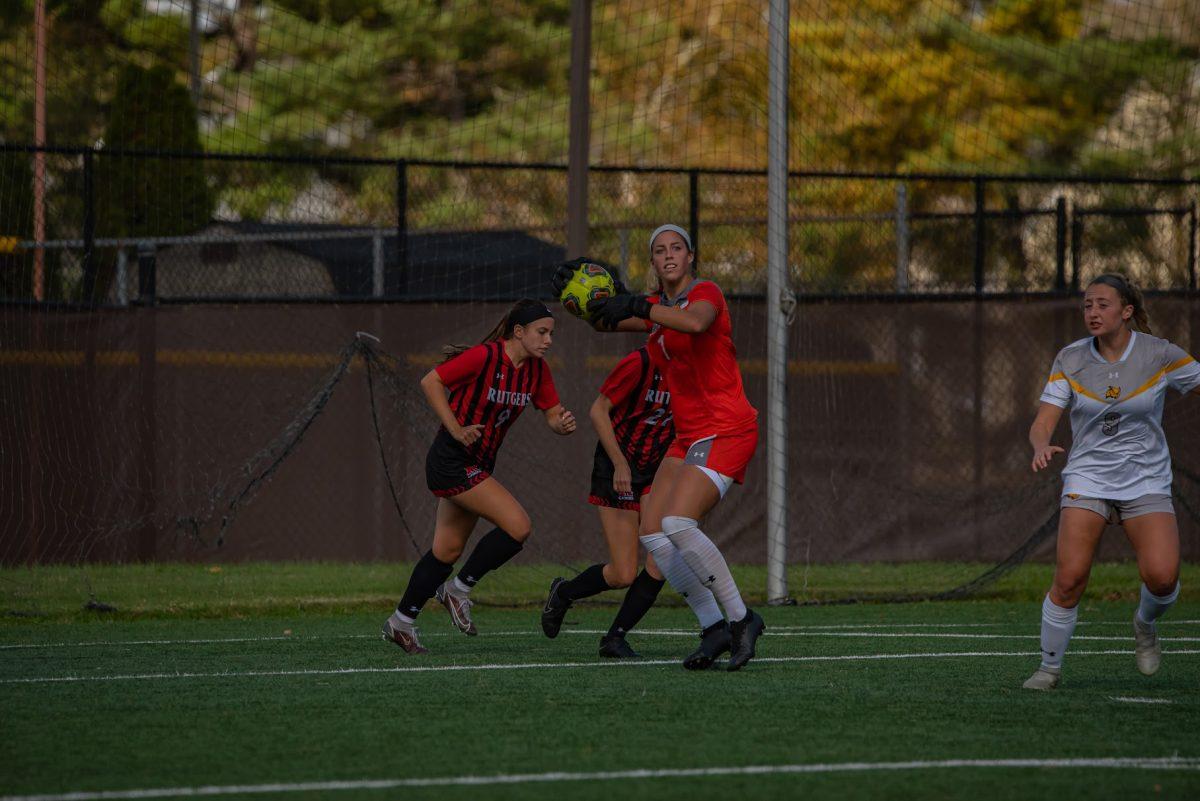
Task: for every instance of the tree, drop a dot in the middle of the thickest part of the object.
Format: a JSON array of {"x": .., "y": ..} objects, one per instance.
[{"x": 149, "y": 197}]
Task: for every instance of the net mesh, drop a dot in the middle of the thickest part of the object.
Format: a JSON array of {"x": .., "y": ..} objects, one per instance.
[{"x": 184, "y": 379}]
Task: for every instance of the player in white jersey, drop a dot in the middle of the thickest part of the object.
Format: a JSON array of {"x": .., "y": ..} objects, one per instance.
[{"x": 1119, "y": 468}]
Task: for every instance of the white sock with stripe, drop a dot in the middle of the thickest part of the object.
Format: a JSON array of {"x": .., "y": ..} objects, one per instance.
[
  {"x": 682, "y": 579},
  {"x": 705, "y": 559},
  {"x": 1152, "y": 607},
  {"x": 1058, "y": 624}
]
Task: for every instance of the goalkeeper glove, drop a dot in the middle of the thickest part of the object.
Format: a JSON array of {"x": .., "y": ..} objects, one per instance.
[
  {"x": 563, "y": 272},
  {"x": 608, "y": 312}
]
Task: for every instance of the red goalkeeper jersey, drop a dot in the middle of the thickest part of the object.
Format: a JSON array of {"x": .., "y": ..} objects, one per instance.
[{"x": 706, "y": 385}]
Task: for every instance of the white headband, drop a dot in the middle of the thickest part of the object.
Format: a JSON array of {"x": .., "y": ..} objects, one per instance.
[{"x": 669, "y": 227}]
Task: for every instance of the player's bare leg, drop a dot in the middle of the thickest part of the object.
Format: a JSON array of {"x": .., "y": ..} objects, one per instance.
[
  {"x": 693, "y": 494},
  {"x": 1155, "y": 540},
  {"x": 451, "y": 530},
  {"x": 714, "y": 636},
  {"x": 491, "y": 501},
  {"x": 1079, "y": 533}
]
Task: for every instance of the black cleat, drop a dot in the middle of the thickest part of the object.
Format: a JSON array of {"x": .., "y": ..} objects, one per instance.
[
  {"x": 745, "y": 632},
  {"x": 617, "y": 647},
  {"x": 714, "y": 641},
  {"x": 554, "y": 611}
]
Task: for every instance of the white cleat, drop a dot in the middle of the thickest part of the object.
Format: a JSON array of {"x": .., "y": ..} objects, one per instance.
[
  {"x": 1043, "y": 678},
  {"x": 1147, "y": 649}
]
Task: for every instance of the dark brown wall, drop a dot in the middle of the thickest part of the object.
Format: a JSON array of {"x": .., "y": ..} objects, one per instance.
[{"x": 907, "y": 431}]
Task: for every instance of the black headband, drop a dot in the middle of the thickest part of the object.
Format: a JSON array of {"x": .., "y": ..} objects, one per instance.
[
  {"x": 527, "y": 314},
  {"x": 1115, "y": 281}
]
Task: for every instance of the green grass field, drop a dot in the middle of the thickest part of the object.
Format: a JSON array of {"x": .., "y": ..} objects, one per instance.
[{"x": 241, "y": 688}]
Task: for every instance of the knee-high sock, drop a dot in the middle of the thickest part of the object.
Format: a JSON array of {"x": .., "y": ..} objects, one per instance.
[
  {"x": 705, "y": 560},
  {"x": 493, "y": 549},
  {"x": 427, "y": 575},
  {"x": 638, "y": 599},
  {"x": 588, "y": 583},
  {"x": 1152, "y": 606},
  {"x": 682, "y": 579},
  {"x": 1058, "y": 624}
]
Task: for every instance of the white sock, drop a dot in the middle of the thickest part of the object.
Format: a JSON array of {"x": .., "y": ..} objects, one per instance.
[
  {"x": 460, "y": 588},
  {"x": 1152, "y": 607},
  {"x": 705, "y": 560},
  {"x": 681, "y": 578},
  {"x": 1058, "y": 624},
  {"x": 399, "y": 618}
]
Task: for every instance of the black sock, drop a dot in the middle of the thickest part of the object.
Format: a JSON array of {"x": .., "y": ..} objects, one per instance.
[
  {"x": 638, "y": 599},
  {"x": 588, "y": 583},
  {"x": 494, "y": 549},
  {"x": 426, "y": 577}
]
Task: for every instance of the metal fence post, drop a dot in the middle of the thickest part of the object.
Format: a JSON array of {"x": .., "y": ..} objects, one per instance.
[
  {"x": 377, "y": 264},
  {"x": 694, "y": 208},
  {"x": 1192, "y": 247},
  {"x": 122, "y": 279},
  {"x": 147, "y": 273},
  {"x": 980, "y": 233},
  {"x": 1076, "y": 248},
  {"x": 401, "y": 227},
  {"x": 901, "y": 238},
  {"x": 89, "y": 228},
  {"x": 1060, "y": 244}
]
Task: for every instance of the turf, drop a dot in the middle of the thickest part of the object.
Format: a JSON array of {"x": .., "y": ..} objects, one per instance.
[
  {"x": 58, "y": 593},
  {"x": 164, "y": 699}
]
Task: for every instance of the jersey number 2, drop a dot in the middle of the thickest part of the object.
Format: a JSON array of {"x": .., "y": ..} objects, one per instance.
[{"x": 656, "y": 417}]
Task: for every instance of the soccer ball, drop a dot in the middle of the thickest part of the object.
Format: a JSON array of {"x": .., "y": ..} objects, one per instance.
[{"x": 590, "y": 282}]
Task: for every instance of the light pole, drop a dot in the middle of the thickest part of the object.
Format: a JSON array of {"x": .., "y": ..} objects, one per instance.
[
  {"x": 39, "y": 157},
  {"x": 580, "y": 115}
]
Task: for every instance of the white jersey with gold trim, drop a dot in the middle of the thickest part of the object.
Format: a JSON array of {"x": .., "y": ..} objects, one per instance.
[{"x": 1119, "y": 450}]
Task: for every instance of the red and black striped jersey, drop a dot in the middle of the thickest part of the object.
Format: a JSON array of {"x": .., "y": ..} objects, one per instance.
[
  {"x": 486, "y": 389},
  {"x": 641, "y": 413}
]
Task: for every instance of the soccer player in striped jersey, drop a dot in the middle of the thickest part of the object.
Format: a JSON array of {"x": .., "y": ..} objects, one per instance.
[
  {"x": 489, "y": 386},
  {"x": 1119, "y": 469},
  {"x": 632, "y": 417},
  {"x": 716, "y": 432}
]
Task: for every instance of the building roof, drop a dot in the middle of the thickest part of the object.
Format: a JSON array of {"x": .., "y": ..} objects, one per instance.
[{"x": 467, "y": 265}]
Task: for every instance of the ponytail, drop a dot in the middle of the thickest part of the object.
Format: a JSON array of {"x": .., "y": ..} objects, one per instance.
[
  {"x": 1130, "y": 296},
  {"x": 523, "y": 312}
]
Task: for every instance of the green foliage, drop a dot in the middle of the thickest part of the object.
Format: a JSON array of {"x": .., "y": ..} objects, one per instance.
[
  {"x": 1004, "y": 86},
  {"x": 143, "y": 197},
  {"x": 149, "y": 196}
]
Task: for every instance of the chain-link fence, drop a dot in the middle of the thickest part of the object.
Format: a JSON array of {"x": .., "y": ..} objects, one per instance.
[{"x": 191, "y": 227}]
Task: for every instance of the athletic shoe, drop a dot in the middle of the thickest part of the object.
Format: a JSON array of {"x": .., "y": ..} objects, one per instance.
[
  {"x": 617, "y": 647},
  {"x": 1147, "y": 650},
  {"x": 714, "y": 641},
  {"x": 404, "y": 635},
  {"x": 1043, "y": 678},
  {"x": 745, "y": 633},
  {"x": 459, "y": 607},
  {"x": 555, "y": 610}
]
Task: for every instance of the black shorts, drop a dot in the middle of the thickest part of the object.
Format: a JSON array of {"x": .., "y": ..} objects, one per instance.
[
  {"x": 450, "y": 469},
  {"x": 603, "y": 493}
]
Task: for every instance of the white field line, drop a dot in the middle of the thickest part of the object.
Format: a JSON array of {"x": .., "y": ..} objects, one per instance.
[
  {"x": 618, "y": 663},
  {"x": 1127, "y": 699},
  {"x": 774, "y": 631},
  {"x": 1137, "y": 763}
]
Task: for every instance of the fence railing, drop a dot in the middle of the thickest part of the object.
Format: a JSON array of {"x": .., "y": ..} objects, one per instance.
[{"x": 854, "y": 232}]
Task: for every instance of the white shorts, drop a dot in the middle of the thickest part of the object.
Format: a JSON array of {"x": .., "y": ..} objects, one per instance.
[
  {"x": 1116, "y": 511},
  {"x": 722, "y": 481}
]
